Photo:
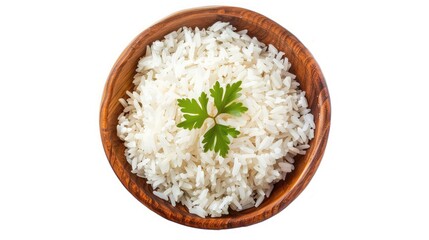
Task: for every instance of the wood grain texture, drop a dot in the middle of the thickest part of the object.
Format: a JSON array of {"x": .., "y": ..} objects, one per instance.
[{"x": 303, "y": 65}]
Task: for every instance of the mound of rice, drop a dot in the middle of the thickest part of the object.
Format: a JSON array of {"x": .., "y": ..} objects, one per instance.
[{"x": 276, "y": 127}]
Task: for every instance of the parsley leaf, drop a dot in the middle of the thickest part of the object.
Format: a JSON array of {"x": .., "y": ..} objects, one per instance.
[
  {"x": 217, "y": 137},
  {"x": 223, "y": 102},
  {"x": 235, "y": 109},
  {"x": 196, "y": 114}
]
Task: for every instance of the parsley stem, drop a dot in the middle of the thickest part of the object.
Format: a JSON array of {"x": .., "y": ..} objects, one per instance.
[{"x": 214, "y": 118}]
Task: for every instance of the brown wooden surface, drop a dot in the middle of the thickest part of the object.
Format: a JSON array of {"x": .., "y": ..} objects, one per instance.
[{"x": 303, "y": 65}]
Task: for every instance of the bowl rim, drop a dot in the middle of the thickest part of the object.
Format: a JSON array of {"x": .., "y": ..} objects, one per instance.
[{"x": 257, "y": 215}]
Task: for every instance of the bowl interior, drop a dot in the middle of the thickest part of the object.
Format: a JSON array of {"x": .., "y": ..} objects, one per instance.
[{"x": 267, "y": 31}]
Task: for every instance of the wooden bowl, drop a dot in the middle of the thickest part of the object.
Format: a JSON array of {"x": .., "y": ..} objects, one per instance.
[{"x": 308, "y": 75}]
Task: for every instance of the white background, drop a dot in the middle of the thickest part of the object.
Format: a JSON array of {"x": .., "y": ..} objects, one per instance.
[{"x": 55, "y": 181}]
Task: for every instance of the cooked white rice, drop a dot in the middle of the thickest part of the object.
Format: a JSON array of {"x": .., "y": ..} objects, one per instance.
[{"x": 276, "y": 127}]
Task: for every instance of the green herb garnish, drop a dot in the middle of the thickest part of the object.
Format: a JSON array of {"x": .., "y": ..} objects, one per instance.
[{"x": 195, "y": 113}]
